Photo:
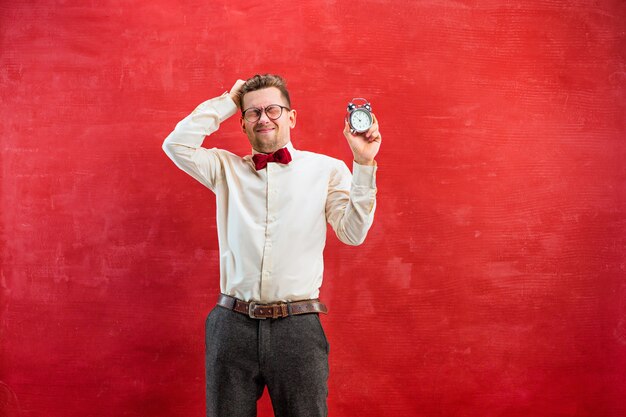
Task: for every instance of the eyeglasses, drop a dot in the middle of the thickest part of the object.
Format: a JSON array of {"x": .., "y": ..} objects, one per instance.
[{"x": 273, "y": 112}]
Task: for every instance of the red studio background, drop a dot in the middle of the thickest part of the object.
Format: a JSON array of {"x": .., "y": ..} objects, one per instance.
[{"x": 493, "y": 282}]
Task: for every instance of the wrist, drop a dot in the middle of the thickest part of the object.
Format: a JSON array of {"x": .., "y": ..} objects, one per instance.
[
  {"x": 365, "y": 162},
  {"x": 234, "y": 98}
]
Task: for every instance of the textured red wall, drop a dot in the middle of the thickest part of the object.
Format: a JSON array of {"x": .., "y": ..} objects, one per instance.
[{"x": 493, "y": 282}]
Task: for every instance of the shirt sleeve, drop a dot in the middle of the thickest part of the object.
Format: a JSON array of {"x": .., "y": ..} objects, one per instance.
[
  {"x": 351, "y": 202},
  {"x": 183, "y": 145}
]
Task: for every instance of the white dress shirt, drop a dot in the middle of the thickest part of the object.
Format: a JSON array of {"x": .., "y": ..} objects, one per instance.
[{"x": 271, "y": 223}]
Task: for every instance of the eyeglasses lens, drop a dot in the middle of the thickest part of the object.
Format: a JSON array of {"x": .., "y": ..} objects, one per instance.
[{"x": 273, "y": 112}]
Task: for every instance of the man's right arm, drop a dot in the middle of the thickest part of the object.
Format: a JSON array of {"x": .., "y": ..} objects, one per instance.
[{"x": 183, "y": 145}]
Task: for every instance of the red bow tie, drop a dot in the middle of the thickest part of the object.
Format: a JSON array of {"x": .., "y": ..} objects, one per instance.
[{"x": 282, "y": 156}]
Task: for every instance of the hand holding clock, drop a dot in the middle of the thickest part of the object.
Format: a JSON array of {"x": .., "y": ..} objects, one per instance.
[{"x": 361, "y": 131}]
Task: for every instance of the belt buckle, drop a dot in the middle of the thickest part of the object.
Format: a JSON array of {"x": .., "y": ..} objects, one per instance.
[{"x": 251, "y": 307}]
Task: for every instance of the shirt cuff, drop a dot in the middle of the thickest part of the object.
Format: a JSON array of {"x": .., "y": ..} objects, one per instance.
[{"x": 364, "y": 175}]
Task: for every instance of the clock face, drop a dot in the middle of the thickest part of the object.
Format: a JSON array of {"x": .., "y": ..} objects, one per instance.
[{"x": 360, "y": 120}]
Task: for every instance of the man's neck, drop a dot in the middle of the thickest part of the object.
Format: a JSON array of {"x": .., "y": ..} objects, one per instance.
[{"x": 273, "y": 150}]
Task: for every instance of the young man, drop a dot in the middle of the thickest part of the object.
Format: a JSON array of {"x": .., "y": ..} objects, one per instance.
[{"x": 272, "y": 210}]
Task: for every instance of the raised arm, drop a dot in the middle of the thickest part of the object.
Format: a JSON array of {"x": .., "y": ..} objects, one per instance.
[
  {"x": 351, "y": 199},
  {"x": 183, "y": 145}
]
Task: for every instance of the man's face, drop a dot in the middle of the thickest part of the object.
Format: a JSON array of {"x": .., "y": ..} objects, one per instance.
[{"x": 267, "y": 135}]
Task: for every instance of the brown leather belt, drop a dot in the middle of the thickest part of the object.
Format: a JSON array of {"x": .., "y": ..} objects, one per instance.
[{"x": 271, "y": 311}]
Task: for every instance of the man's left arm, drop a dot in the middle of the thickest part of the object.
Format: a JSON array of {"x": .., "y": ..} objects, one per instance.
[{"x": 351, "y": 200}]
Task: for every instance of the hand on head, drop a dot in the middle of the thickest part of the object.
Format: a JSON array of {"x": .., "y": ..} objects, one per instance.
[{"x": 234, "y": 91}]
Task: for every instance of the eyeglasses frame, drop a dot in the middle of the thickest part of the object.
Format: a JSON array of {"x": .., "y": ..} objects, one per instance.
[{"x": 263, "y": 110}]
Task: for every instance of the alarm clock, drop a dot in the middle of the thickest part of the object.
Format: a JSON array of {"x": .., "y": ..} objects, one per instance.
[{"x": 359, "y": 115}]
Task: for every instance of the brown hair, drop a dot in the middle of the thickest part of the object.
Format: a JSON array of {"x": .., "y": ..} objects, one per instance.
[{"x": 259, "y": 82}]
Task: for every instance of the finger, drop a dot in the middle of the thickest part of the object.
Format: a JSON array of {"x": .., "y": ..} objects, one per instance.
[
  {"x": 376, "y": 137},
  {"x": 374, "y": 120},
  {"x": 348, "y": 131},
  {"x": 238, "y": 84},
  {"x": 372, "y": 131},
  {"x": 235, "y": 90},
  {"x": 346, "y": 127},
  {"x": 373, "y": 128}
]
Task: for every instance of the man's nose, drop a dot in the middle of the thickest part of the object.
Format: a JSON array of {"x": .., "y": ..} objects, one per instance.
[{"x": 263, "y": 118}]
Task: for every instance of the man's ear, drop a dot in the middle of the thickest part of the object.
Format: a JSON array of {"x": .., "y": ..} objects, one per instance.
[
  {"x": 292, "y": 118},
  {"x": 243, "y": 124}
]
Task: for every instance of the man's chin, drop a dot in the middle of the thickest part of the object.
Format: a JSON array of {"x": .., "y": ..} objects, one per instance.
[{"x": 266, "y": 146}]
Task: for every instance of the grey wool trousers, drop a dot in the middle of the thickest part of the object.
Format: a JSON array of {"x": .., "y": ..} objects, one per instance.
[{"x": 243, "y": 355}]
